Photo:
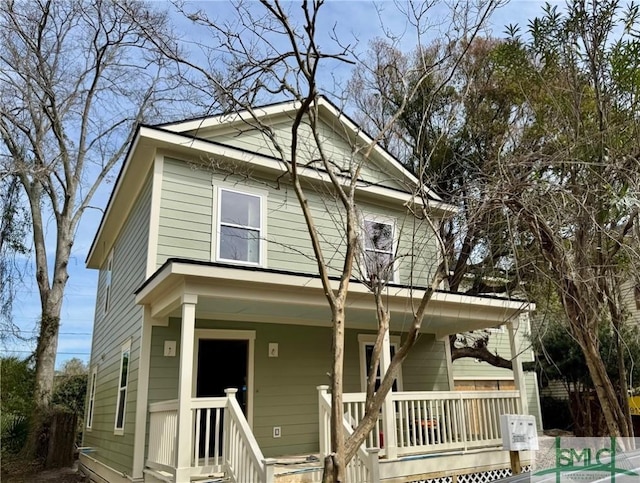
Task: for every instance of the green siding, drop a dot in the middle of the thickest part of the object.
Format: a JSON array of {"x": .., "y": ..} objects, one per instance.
[
  {"x": 425, "y": 368},
  {"x": 335, "y": 146},
  {"x": 285, "y": 392},
  {"x": 185, "y": 228},
  {"x": 185, "y": 212},
  {"x": 121, "y": 323}
]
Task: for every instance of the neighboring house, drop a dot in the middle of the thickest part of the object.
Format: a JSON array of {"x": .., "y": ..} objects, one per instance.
[{"x": 207, "y": 283}]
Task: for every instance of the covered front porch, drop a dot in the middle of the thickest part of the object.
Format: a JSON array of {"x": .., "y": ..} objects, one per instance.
[
  {"x": 454, "y": 426},
  {"x": 280, "y": 408}
]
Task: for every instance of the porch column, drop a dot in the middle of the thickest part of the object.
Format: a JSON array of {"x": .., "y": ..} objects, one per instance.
[
  {"x": 388, "y": 411},
  {"x": 516, "y": 361},
  {"x": 183, "y": 437}
]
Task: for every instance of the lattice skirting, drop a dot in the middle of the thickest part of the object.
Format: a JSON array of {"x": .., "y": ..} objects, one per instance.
[{"x": 480, "y": 477}]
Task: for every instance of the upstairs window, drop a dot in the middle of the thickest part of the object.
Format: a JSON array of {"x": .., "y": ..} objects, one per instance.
[
  {"x": 123, "y": 382},
  {"x": 107, "y": 283},
  {"x": 240, "y": 227},
  {"x": 378, "y": 249}
]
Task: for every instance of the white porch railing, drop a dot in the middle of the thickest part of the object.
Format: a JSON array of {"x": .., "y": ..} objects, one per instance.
[
  {"x": 163, "y": 426},
  {"x": 363, "y": 467},
  {"x": 243, "y": 457},
  {"x": 433, "y": 421},
  {"x": 222, "y": 441}
]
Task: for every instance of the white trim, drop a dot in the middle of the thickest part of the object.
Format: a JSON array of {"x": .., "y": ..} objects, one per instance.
[
  {"x": 537, "y": 397},
  {"x": 369, "y": 339},
  {"x": 483, "y": 378},
  {"x": 218, "y": 188},
  {"x": 154, "y": 213},
  {"x": 108, "y": 283},
  {"x": 116, "y": 191},
  {"x": 447, "y": 356},
  {"x": 481, "y": 307},
  {"x": 122, "y": 390},
  {"x": 91, "y": 403},
  {"x": 385, "y": 220},
  {"x": 142, "y": 396},
  {"x": 228, "y": 334}
]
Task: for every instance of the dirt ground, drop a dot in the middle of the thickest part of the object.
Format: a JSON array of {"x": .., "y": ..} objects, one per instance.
[{"x": 20, "y": 472}]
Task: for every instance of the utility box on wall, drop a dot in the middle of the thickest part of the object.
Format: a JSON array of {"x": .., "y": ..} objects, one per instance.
[{"x": 519, "y": 432}]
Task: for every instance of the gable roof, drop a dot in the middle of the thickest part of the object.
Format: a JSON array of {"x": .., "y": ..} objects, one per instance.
[
  {"x": 327, "y": 110},
  {"x": 178, "y": 136}
]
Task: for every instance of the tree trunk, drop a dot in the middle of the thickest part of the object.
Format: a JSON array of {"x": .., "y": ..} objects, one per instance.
[
  {"x": 337, "y": 410},
  {"x": 611, "y": 410},
  {"x": 51, "y": 293}
]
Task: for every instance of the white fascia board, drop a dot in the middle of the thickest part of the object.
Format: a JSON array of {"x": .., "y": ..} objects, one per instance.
[
  {"x": 285, "y": 280},
  {"x": 231, "y": 118},
  {"x": 115, "y": 194},
  {"x": 273, "y": 164},
  {"x": 366, "y": 140}
]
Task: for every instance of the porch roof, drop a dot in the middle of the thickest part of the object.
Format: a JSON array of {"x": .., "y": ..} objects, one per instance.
[{"x": 231, "y": 292}]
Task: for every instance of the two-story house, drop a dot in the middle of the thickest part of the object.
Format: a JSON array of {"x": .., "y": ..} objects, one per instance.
[{"x": 208, "y": 282}]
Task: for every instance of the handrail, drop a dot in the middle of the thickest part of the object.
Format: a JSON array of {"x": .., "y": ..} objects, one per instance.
[
  {"x": 435, "y": 395},
  {"x": 240, "y": 442},
  {"x": 208, "y": 402},
  {"x": 171, "y": 405},
  {"x": 364, "y": 466},
  {"x": 215, "y": 420}
]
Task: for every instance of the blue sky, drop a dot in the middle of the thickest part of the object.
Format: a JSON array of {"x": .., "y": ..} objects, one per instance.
[{"x": 358, "y": 21}]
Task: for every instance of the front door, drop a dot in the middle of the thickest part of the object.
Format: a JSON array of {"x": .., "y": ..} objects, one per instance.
[{"x": 223, "y": 364}]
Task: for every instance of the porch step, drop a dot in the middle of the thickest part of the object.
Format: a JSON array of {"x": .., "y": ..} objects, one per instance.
[
  {"x": 157, "y": 475},
  {"x": 163, "y": 476},
  {"x": 214, "y": 479}
]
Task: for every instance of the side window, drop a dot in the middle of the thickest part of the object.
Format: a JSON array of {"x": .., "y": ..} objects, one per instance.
[
  {"x": 121, "y": 403},
  {"x": 240, "y": 227},
  {"x": 107, "y": 283},
  {"x": 92, "y": 396},
  {"x": 366, "y": 342},
  {"x": 378, "y": 247}
]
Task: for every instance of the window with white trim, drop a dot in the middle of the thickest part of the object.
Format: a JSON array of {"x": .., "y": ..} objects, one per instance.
[
  {"x": 379, "y": 256},
  {"x": 92, "y": 397},
  {"x": 121, "y": 404},
  {"x": 240, "y": 227},
  {"x": 366, "y": 343},
  {"x": 107, "y": 282}
]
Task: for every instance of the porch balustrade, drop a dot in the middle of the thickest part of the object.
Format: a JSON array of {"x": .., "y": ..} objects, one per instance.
[
  {"x": 222, "y": 441},
  {"x": 432, "y": 421}
]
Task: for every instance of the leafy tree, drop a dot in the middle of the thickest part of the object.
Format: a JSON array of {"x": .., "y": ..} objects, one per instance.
[
  {"x": 561, "y": 359},
  {"x": 16, "y": 401},
  {"x": 449, "y": 132},
  {"x": 70, "y": 388},
  {"x": 569, "y": 181},
  {"x": 17, "y": 385},
  {"x": 542, "y": 158}
]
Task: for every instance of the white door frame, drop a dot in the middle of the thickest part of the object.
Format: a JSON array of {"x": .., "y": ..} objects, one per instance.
[{"x": 226, "y": 334}]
